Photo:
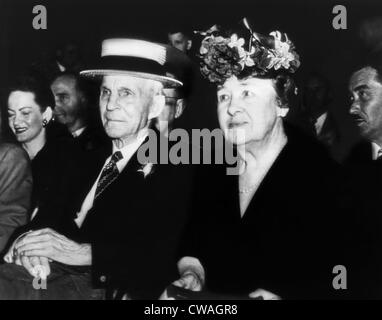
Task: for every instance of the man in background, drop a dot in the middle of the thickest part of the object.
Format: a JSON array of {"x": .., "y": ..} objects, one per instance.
[
  {"x": 180, "y": 39},
  {"x": 73, "y": 109}
]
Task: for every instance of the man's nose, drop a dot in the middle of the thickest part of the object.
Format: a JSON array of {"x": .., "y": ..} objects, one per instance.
[
  {"x": 112, "y": 102},
  {"x": 354, "y": 108}
]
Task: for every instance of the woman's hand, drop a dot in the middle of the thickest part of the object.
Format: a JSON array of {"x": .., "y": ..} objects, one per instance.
[
  {"x": 189, "y": 281},
  {"x": 265, "y": 295}
]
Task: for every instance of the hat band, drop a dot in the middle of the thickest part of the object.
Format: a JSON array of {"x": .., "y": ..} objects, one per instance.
[{"x": 133, "y": 64}]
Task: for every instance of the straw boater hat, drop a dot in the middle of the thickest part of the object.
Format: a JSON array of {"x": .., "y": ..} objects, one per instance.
[{"x": 137, "y": 58}]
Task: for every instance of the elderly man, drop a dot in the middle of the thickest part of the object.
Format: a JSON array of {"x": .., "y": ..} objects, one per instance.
[{"x": 122, "y": 230}]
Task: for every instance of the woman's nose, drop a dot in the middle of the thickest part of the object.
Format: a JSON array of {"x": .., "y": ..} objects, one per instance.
[
  {"x": 234, "y": 106},
  {"x": 16, "y": 121}
]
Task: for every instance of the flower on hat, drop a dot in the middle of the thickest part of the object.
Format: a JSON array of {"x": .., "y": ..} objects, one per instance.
[
  {"x": 224, "y": 54},
  {"x": 283, "y": 54},
  {"x": 146, "y": 169},
  {"x": 238, "y": 44}
]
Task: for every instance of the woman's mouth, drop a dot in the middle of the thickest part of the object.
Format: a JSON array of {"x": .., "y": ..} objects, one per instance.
[
  {"x": 20, "y": 130},
  {"x": 234, "y": 125}
]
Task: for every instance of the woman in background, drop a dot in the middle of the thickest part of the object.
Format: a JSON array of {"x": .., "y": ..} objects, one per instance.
[{"x": 53, "y": 154}]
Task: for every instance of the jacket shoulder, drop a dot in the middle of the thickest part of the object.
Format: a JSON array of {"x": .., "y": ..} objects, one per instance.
[{"x": 10, "y": 152}]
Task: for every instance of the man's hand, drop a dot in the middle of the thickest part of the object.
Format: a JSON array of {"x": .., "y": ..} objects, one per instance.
[{"x": 52, "y": 245}]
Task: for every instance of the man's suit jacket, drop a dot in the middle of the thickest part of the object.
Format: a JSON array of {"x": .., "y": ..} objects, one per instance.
[
  {"x": 361, "y": 154},
  {"x": 134, "y": 226},
  {"x": 329, "y": 134},
  {"x": 365, "y": 183}
]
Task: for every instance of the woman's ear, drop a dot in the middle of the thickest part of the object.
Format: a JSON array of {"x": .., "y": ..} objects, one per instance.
[
  {"x": 282, "y": 111},
  {"x": 47, "y": 114},
  {"x": 158, "y": 104}
]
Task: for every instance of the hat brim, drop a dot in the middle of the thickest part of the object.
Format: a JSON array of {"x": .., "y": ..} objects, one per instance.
[{"x": 98, "y": 73}]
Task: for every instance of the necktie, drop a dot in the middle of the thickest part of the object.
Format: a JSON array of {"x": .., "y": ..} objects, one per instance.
[{"x": 109, "y": 174}]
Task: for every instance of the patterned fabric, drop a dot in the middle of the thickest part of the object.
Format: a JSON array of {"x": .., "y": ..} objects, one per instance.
[{"x": 109, "y": 173}]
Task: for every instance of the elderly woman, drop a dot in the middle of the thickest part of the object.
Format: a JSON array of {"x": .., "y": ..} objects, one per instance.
[
  {"x": 15, "y": 188},
  {"x": 51, "y": 150},
  {"x": 266, "y": 231}
]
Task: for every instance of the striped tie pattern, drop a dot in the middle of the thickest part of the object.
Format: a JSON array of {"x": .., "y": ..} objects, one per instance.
[{"x": 109, "y": 173}]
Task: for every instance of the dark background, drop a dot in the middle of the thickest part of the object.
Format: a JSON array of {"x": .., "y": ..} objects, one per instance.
[{"x": 334, "y": 53}]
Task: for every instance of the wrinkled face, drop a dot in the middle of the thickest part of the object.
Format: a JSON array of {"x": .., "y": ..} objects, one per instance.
[
  {"x": 366, "y": 103},
  {"x": 125, "y": 105},
  {"x": 68, "y": 101},
  {"x": 24, "y": 116},
  {"x": 247, "y": 107},
  {"x": 179, "y": 41}
]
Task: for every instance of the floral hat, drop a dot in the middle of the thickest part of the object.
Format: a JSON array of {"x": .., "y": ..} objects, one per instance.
[{"x": 224, "y": 54}]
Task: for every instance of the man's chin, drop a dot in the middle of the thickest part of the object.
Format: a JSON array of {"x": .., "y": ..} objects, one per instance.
[
  {"x": 114, "y": 133},
  {"x": 364, "y": 131}
]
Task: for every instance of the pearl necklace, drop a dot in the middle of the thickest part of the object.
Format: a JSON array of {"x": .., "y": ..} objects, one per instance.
[{"x": 246, "y": 190}]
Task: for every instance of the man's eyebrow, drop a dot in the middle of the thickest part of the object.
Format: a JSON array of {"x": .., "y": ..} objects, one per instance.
[
  {"x": 125, "y": 88},
  {"x": 361, "y": 87}
]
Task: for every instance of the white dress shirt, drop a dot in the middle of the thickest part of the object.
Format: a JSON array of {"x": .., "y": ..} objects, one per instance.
[
  {"x": 78, "y": 132},
  {"x": 319, "y": 124},
  {"x": 127, "y": 152},
  {"x": 375, "y": 150}
]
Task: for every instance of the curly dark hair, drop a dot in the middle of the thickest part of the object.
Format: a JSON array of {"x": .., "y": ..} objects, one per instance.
[
  {"x": 285, "y": 87},
  {"x": 42, "y": 93}
]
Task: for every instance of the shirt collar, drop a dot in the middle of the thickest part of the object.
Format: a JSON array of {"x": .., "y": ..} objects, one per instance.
[
  {"x": 128, "y": 151},
  {"x": 375, "y": 149},
  {"x": 78, "y": 132},
  {"x": 320, "y": 122}
]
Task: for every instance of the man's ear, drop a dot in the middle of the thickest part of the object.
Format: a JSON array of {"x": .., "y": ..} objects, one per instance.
[
  {"x": 47, "y": 114},
  {"x": 179, "y": 108},
  {"x": 189, "y": 44},
  {"x": 157, "y": 106}
]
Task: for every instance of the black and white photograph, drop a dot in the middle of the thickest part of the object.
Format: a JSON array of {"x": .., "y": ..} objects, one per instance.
[{"x": 202, "y": 151}]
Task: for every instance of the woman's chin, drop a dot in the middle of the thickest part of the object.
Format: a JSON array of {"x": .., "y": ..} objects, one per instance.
[{"x": 236, "y": 137}]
